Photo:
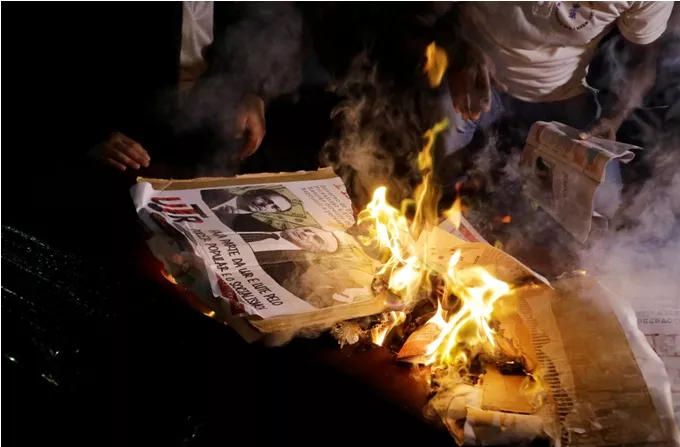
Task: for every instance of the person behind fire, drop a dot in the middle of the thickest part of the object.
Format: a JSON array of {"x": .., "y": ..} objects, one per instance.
[
  {"x": 530, "y": 60},
  {"x": 309, "y": 239}
]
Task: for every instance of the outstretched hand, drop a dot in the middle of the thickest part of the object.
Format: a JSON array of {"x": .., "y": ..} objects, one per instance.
[
  {"x": 121, "y": 152},
  {"x": 470, "y": 78}
]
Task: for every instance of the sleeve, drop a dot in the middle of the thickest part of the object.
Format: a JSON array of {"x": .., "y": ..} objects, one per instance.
[{"x": 644, "y": 22}]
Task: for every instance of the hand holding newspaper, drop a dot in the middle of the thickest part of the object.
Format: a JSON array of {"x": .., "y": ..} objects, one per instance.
[{"x": 564, "y": 173}]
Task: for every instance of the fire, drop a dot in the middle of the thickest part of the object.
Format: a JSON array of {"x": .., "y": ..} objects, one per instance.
[
  {"x": 468, "y": 293},
  {"x": 379, "y": 333},
  {"x": 168, "y": 276},
  {"x": 436, "y": 63},
  {"x": 468, "y": 326},
  {"x": 195, "y": 302}
]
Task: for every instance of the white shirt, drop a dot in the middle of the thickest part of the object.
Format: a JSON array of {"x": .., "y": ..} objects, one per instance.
[
  {"x": 197, "y": 33},
  {"x": 541, "y": 50}
]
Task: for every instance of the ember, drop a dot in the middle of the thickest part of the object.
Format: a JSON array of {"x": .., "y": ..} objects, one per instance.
[{"x": 168, "y": 276}]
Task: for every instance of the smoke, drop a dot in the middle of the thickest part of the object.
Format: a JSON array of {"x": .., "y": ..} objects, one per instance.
[
  {"x": 260, "y": 52},
  {"x": 380, "y": 126},
  {"x": 643, "y": 238},
  {"x": 639, "y": 258},
  {"x": 639, "y": 261}
]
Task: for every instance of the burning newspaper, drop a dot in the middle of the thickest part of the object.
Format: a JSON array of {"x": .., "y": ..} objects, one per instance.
[
  {"x": 511, "y": 364},
  {"x": 564, "y": 173},
  {"x": 593, "y": 379}
]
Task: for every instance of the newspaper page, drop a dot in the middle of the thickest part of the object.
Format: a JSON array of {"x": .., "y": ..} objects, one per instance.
[
  {"x": 437, "y": 246},
  {"x": 270, "y": 247},
  {"x": 563, "y": 173},
  {"x": 658, "y": 317},
  {"x": 462, "y": 229},
  {"x": 605, "y": 386},
  {"x": 443, "y": 241}
]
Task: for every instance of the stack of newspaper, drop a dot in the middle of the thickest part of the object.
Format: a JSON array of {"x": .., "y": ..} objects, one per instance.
[
  {"x": 601, "y": 383},
  {"x": 270, "y": 254}
]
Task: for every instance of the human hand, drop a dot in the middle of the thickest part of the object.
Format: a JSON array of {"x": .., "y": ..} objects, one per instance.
[
  {"x": 250, "y": 120},
  {"x": 470, "y": 77},
  {"x": 603, "y": 128},
  {"x": 120, "y": 152}
]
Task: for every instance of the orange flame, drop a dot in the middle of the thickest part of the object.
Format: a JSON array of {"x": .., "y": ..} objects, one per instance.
[
  {"x": 406, "y": 266},
  {"x": 436, "y": 63},
  {"x": 168, "y": 276},
  {"x": 379, "y": 333}
]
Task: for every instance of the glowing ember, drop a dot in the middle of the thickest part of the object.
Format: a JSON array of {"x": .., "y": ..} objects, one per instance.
[
  {"x": 168, "y": 276},
  {"x": 466, "y": 293}
]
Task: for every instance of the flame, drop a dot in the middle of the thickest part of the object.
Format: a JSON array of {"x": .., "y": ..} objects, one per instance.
[
  {"x": 477, "y": 290},
  {"x": 379, "y": 333},
  {"x": 467, "y": 296},
  {"x": 195, "y": 302},
  {"x": 506, "y": 219},
  {"x": 436, "y": 63},
  {"x": 454, "y": 213},
  {"x": 406, "y": 267},
  {"x": 168, "y": 276}
]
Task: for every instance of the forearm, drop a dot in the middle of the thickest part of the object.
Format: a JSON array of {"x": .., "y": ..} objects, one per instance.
[{"x": 629, "y": 91}]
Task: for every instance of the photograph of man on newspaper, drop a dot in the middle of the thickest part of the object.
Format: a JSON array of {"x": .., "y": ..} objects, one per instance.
[
  {"x": 257, "y": 208},
  {"x": 313, "y": 264},
  {"x": 237, "y": 211},
  {"x": 320, "y": 266},
  {"x": 326, "y": 269}
]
